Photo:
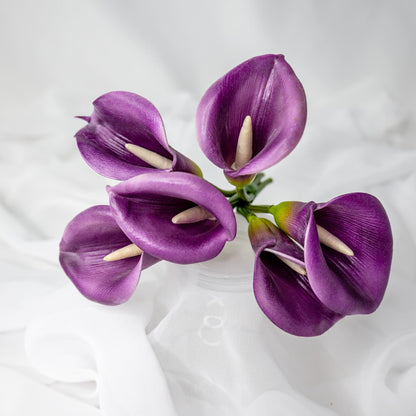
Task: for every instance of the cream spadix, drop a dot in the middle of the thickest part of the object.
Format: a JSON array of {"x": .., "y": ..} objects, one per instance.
[
  {"x": 193, "y": 214},
  {"x": 294, "y": 266},
  {"x": 125, "y": 252},
  {"x": 244, "y": 151},
  {"x": 328, "y": 239},
  {"x": 152, "y": 158}
]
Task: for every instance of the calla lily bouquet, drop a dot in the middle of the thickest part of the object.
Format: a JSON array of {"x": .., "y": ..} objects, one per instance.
[{"x": 314, "y": 262}]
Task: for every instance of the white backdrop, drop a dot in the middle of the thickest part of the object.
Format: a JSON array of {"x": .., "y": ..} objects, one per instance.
[{"x": 184, "y": 346}]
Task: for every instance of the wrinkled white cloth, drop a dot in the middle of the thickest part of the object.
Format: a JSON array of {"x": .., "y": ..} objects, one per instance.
[{"x": 192, "y": 340}]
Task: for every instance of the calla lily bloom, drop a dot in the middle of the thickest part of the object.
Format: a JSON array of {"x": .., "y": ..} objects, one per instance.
[
  {"x": 90, "y": 237},
  {"x": 266, "y": 89},
  {"x": 349, "y": 270},
  {"x": 146, "y": 208},
  {"x": 125, "y": 137},
  {"x": 280, "y": 286}
]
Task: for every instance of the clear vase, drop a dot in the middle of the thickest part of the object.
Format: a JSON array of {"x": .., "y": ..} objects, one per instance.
[{"x": 212, "y": 343}]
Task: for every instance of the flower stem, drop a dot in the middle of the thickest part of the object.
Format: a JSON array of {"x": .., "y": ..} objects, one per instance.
[
  {"x": 226, "y": 193},
  {"x": 246, "y": 213},
  {"x": 256, "y": 187},
  {"x": 258, "y": 179},
  {"x": 263, "y": 184},
  {"x": 260, "y": 208},
  {"x": 235, "y": 200},
  {"x": 244, "y": 195}
]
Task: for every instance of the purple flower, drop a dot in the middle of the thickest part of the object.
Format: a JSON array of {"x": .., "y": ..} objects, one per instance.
[
  {"x": 87, "y": 239},
  {"x": 144, "y": 207},
  {"x": 280, "y": 286},
  {"x": 123, "y": 118},
  {"x": 347, "y": 246},
  {"x": 266, "y": 89}
]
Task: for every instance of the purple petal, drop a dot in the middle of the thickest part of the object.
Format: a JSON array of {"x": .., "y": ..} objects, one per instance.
[
  {"x": 266, "y": 88},
  {"x": 350, "y": 284},
  {"x": 87, "y": 239},
  {"x": 292, "y": 217},
  {"x": 118, "y": 118},
  {"x": 145, "y": 205},
  {"x": 285, "y": 296},
  {"x": 346, "y": 284}
]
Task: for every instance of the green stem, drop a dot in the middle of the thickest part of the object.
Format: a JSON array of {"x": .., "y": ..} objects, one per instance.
[
  {"x": 256, "y": 187},
  {"x": 226, "y": 193},
  {"x": 258, "y": 179},
  {"x": 260, "y": 208},
  {"x": 244, "y": 195},
  {"x": 240, "y": 193},
  {"x": 241, "y": 197},
  {"x": 246, "y": 213},
  {"x": 235, "y": 200},
  {"x": 262, "y": 185}
]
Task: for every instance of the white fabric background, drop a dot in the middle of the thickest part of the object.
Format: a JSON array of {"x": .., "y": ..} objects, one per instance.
[{"x": 186, "y": 344}]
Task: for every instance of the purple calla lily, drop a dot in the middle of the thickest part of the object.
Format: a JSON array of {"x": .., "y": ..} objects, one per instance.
[
  {"x": 87, "y": 239},
  {"x": 349, "y": 283},
  {"x": 121, "y": 118},
  {"x": 280, "y": 287},
  {"x": 144, "y": 207},
  {"x": 266, "y": 89}
]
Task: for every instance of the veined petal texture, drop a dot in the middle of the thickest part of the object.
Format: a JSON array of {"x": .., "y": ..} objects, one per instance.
[
  {"x": 284, "y": 295},
  {"x": 265, "y": 88},
  {"x": 87, "y": 239},
  {"x": 119, "y": 118},
  {"x": 145, "y": 205},
  {"x": 346, "y": 284}
]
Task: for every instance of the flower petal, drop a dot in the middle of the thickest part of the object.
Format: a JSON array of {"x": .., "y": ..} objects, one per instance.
[
  {"x": 145, "y": 205},
  {"x": 285, "y": 296},
  {"x": 119, "y": 118},
  {"x": 346, "y": 284},
  {"x": 87, "y": 239},
  {"x": 350, "y": 284},
  {"x": 265, "y": 88}
]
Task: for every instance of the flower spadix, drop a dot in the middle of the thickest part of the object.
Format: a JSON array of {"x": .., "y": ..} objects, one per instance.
[
  {"x": 244, "y": 150},
  {"x": 130, "y": 250},
  {"x": 281, "y": 287},
  {"x": 125, "y": 137},
  {"x": 144, "y": 207},
  {"x": 90, "y": 238},
  {"x": 193, "y": 214},
  {"x": 347, "y": 247},
  {"x": 266, "y": 90}
]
